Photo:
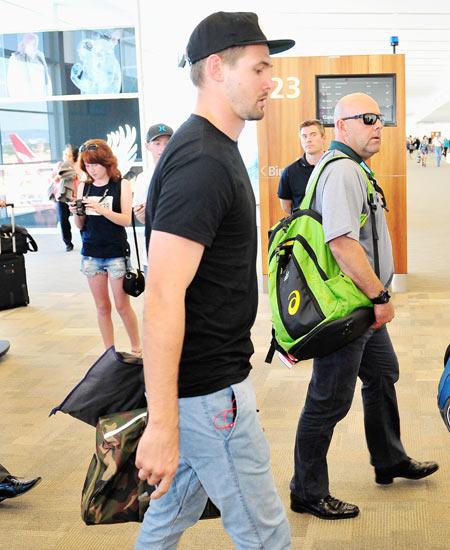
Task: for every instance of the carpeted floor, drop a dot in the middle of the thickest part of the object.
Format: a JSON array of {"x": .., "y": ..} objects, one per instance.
[{"x": 55, "y": 340}]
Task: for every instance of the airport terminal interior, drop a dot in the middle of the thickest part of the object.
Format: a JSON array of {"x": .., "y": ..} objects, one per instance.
[{"x": 55, "y": 339}]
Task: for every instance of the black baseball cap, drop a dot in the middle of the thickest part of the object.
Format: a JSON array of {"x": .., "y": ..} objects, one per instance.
[
  {"x": 223, "y": 30},
  {"x": 158, "y": 130}
]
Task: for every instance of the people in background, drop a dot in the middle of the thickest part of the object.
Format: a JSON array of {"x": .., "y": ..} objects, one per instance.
[
  {"x": 203, "y": 436},
  {"x": 63, "y": 190},
  {"x": 294, "y": 177},
  {"x": 340, "y": 198},
  {"x": 410, "y": 145},
  {"x": 102, "y": 212},
  {"x": 438, "y": 147},
  {"x": 156, "y": 141},
  {"x": 423, "y": 149},
  {"x": 445, "y": 144}
]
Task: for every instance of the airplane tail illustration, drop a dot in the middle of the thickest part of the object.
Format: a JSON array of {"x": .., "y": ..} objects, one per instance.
[{"x": 23, "y": 152}]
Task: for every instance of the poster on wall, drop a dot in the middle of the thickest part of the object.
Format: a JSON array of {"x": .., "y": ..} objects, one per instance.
[
  {"x": 87, "y": 61},
  {"x": 62, "y": 87}
]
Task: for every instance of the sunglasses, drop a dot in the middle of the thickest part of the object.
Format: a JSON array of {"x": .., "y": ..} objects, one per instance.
[
  {"x": 89, "y": 147},
  {"x": 369, "y": 119}
]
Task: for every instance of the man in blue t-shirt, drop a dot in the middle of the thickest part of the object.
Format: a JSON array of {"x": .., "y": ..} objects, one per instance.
[
  {"x": 203, "y": 437},
  {"x": 294, "y": 177}
]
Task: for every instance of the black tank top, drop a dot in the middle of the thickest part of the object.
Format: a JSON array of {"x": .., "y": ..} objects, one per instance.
[{"x": 101, "y": 237}]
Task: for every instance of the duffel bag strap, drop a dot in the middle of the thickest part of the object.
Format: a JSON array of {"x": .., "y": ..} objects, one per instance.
[{"x": 31, "y": 244}]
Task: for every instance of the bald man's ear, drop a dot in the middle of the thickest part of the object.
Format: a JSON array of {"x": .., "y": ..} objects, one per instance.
[
  {"x": 214, "y": 67},
  {"x": 339, "y": 124}
]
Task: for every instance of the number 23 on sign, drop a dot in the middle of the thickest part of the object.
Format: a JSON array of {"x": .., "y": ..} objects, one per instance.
[{"x": 287, "y": 88}]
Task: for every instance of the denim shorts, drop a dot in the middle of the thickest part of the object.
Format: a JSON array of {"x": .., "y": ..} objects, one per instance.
[{"x": 113, "y": 267}]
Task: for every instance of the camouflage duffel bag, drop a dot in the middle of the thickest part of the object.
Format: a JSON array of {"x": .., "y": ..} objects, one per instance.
[{"x": 112, "y": 491}]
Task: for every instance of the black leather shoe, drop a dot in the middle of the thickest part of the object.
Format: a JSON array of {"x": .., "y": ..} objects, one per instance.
[
  {"x": 410, "y": 469},
  {"x": 12, "y": 487},
  {"x": 326, "y": 508},
  {"x": 69, "y": 247}
]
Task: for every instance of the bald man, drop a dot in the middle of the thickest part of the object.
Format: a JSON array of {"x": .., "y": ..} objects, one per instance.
[{"x": 341, "y": 197}]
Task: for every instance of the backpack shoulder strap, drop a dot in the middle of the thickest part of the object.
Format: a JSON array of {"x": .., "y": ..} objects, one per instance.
[
  {"x": 371, "y": 194},
  {"x": 309, "y": 196}
]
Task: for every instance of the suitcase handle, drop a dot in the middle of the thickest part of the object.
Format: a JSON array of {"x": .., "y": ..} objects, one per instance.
[{"x": 13, "y": 225}]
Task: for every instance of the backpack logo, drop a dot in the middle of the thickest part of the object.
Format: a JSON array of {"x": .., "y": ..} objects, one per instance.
[{"x": 294, "y": 302}]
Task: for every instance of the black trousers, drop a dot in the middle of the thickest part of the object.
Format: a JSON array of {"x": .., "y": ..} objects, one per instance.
[
  {"x": 329, "y": 397},
  {"x": 3, "y": 473},
  {"x": 63, "y": 213}
]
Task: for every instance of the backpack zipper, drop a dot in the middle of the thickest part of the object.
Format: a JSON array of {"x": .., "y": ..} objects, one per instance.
[{"x": 308, "y": 249}]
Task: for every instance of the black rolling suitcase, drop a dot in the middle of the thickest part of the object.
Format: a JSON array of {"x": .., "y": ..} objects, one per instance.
[{"x": 13, "y": 280}]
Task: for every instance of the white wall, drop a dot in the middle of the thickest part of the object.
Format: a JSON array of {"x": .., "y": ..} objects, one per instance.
[{"x": 425, "y": 129}]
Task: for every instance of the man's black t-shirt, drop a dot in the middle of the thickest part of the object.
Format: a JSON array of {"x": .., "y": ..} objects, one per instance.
[
  {"x": 293, "y": 181},
  {"x": 200, "y": 190}
]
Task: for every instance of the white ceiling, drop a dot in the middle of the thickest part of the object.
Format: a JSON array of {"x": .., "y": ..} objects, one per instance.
[{"x": 328, "y": 28}]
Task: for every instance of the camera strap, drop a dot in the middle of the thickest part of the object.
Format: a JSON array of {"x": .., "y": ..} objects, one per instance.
[{"x": 135, "y": 240}]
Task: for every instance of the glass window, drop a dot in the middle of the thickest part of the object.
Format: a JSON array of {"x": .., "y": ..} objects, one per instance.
[
  {"x": 24, "y": 135},
  {"x": 33, "y": 136},
  {"x": 44, "y": 80}
]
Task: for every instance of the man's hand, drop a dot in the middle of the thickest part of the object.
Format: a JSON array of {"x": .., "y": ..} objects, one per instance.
[
  {"x": 157, "y": 457},
  {"x": 353, "y": 261},
  {"x": 384, "y": 313},
  {"x": 286, "y": 205},
  {"x": 139, "y": 212},
  {"x": 164, "y": 330}
]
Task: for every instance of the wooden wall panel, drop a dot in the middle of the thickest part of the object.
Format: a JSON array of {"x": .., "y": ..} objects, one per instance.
[{"x": 278, "y": 142}]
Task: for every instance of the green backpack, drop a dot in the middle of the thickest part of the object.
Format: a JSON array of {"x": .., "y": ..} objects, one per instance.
[{"x": 316, "y": 308}]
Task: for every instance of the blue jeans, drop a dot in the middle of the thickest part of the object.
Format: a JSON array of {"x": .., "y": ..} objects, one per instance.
[
  {"x": 224, "y": 455},
  {"x": 370, "y": 357},
  {"x": 438, "y": 155}
]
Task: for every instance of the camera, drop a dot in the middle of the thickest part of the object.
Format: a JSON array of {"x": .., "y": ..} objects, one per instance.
[{"x": 80, "y": 207}]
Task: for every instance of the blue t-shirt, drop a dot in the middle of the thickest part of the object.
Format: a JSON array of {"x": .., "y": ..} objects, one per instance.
[{"x": 101, "y": 237}]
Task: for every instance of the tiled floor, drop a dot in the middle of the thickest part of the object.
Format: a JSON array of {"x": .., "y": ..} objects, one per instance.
[{"x": 55, "y": 340}]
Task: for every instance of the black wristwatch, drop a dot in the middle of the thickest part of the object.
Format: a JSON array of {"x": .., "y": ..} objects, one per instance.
[{"x": 382, "y": 298}]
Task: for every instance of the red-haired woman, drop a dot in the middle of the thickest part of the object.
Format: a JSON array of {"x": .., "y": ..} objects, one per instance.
[{"x": 107, "y": 211}]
